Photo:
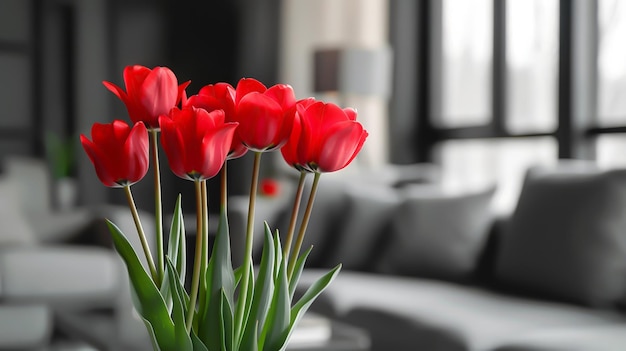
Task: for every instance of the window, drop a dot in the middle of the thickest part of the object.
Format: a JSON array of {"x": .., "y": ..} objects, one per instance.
[
  {"x": 610, "y": 150},
  {"x": 611, "y": 62},
  {"x": 543, "y": 80},
  {"x": 532, "y": 28},
  {"x": 478, "y": 163},
  {"x": 466, "y": 52},
  {"x": 499, "y": 65}
]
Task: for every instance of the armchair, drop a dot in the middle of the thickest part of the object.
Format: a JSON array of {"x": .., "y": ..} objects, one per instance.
[{"x": 42, "y": 275}]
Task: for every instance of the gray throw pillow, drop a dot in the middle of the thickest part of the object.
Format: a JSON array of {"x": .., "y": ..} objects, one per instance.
[
  {"x": 368, "y": 214},
  {"x": 438, "y": 234},
  {"x": 567, "y": 237}
]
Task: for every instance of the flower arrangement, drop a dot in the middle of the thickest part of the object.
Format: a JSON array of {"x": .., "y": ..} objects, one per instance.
[{"x": 225, "y": 308}]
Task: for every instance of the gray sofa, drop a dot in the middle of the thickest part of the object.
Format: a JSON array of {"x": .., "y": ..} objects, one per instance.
[{"x": 425, "y": 269}]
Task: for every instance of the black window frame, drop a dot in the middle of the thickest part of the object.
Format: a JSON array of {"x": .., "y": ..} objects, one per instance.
[{"x": 574, "y": 137}]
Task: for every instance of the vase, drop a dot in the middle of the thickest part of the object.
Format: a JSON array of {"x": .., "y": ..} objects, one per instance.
[{"x": 66, "y": 193}]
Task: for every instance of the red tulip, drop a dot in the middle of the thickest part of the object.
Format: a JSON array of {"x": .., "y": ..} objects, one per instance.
[
  {"x": 269, "y": 187},
  {"x": 265, "y": 117},
  {"x": 119, "y": 154},
  {"x": 196, "y": 142},
  {"x": 220, "y": 96},
  {"x": 149, "y": 93},
  {"x": 325, "y": 138}
]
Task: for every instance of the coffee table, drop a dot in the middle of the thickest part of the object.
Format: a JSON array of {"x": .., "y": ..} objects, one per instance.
[{"x": 328, "y": 335}]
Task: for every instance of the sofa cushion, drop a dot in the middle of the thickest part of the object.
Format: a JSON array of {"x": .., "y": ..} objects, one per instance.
[
  {"x": 567, "y": 237},
  {"x": 409, "y": 313},
  {"x": 610, "y": 337},
  {"x": 436, "y": 233},
  {"x": 368, "y": 213},
  {"x": 25, "y": 327},
  {"x": 68, "y": 276}
]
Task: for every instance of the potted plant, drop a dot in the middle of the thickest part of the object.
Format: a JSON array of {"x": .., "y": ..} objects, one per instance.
[
  {"x": 226, "y": 308},
  {"x": 60, "y": 153}
]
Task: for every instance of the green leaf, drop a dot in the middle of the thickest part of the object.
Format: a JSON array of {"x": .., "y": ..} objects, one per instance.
[
  {"x": 277, "y": 323},
  {"x": 297, "y": 271},
  {"x": 166, "y": 292},
  {"x": 300, "y": 308},
  {"x": 238, "y": 275},
  {"x": 147, "y": 298},
  {"x": 176, "y": 248},
  {"x": 315, "y": 290},
  {"x": 249, "y": 341},
  {"x": 180, "y": 288},
  {"x": 181, "y": 262},
  {"x": 197, "y": 343},
  {"x": 219, "y": 277},
  {"x": 183, "y": 340},
  {"x": 278, "y": 252},
  {"x": 263, "y": 292},
  {"x": 248, "y": 303},
  {"x": 227, "y": 318}
]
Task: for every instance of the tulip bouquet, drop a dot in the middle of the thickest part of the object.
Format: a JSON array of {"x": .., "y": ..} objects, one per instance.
[{"x": 225, "y": 308}]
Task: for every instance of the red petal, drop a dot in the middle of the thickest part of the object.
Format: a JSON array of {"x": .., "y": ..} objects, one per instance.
[
  {"x": 136, "y": 150},
  {"x": 119, "y": 92},
  {"x": 172, "y": 143},
  {"x": 283, "y": 94},
  {"x": 182, "y": 95},
  {"x": 210, "y": 103},
  {"x": 341, "y": 147},
  {"x": 311, "y": 134},
  {"x": 290, "y": 149},
  {"x": 333, "y": 114},
  {"x": 350, "y": 113},
  {"x": 260, "y": 119},
  {"x": 98, "y": 160},
  {"x": 216, "y": 146},
  {"x": 159, "y": 92},
  {"x": 134, "y": 77},
  {"x": 237, "y": 148},
  {"x": 246, "y": 86}
]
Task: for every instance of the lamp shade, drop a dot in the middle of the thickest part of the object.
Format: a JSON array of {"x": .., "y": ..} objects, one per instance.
[{"x": 360, "y": 71}]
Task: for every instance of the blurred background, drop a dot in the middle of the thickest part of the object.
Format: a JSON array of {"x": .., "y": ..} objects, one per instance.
[{"x": 483, "y": 88}]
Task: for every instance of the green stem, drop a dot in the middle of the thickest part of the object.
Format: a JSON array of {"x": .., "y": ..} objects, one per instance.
[
  {"x": 205, "y": 227},
  {"x": 224, "y": 187},
  {"x": 140, "y": 232},
  {"x": 197, "y": 263},
  {"x": 294, "y": 214},
  {"x": 158, "y": 209},
  {"x": 305, "y": 222},
  {"x": 204, "y": 260},
  {"x": 247, "y": 258}
]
